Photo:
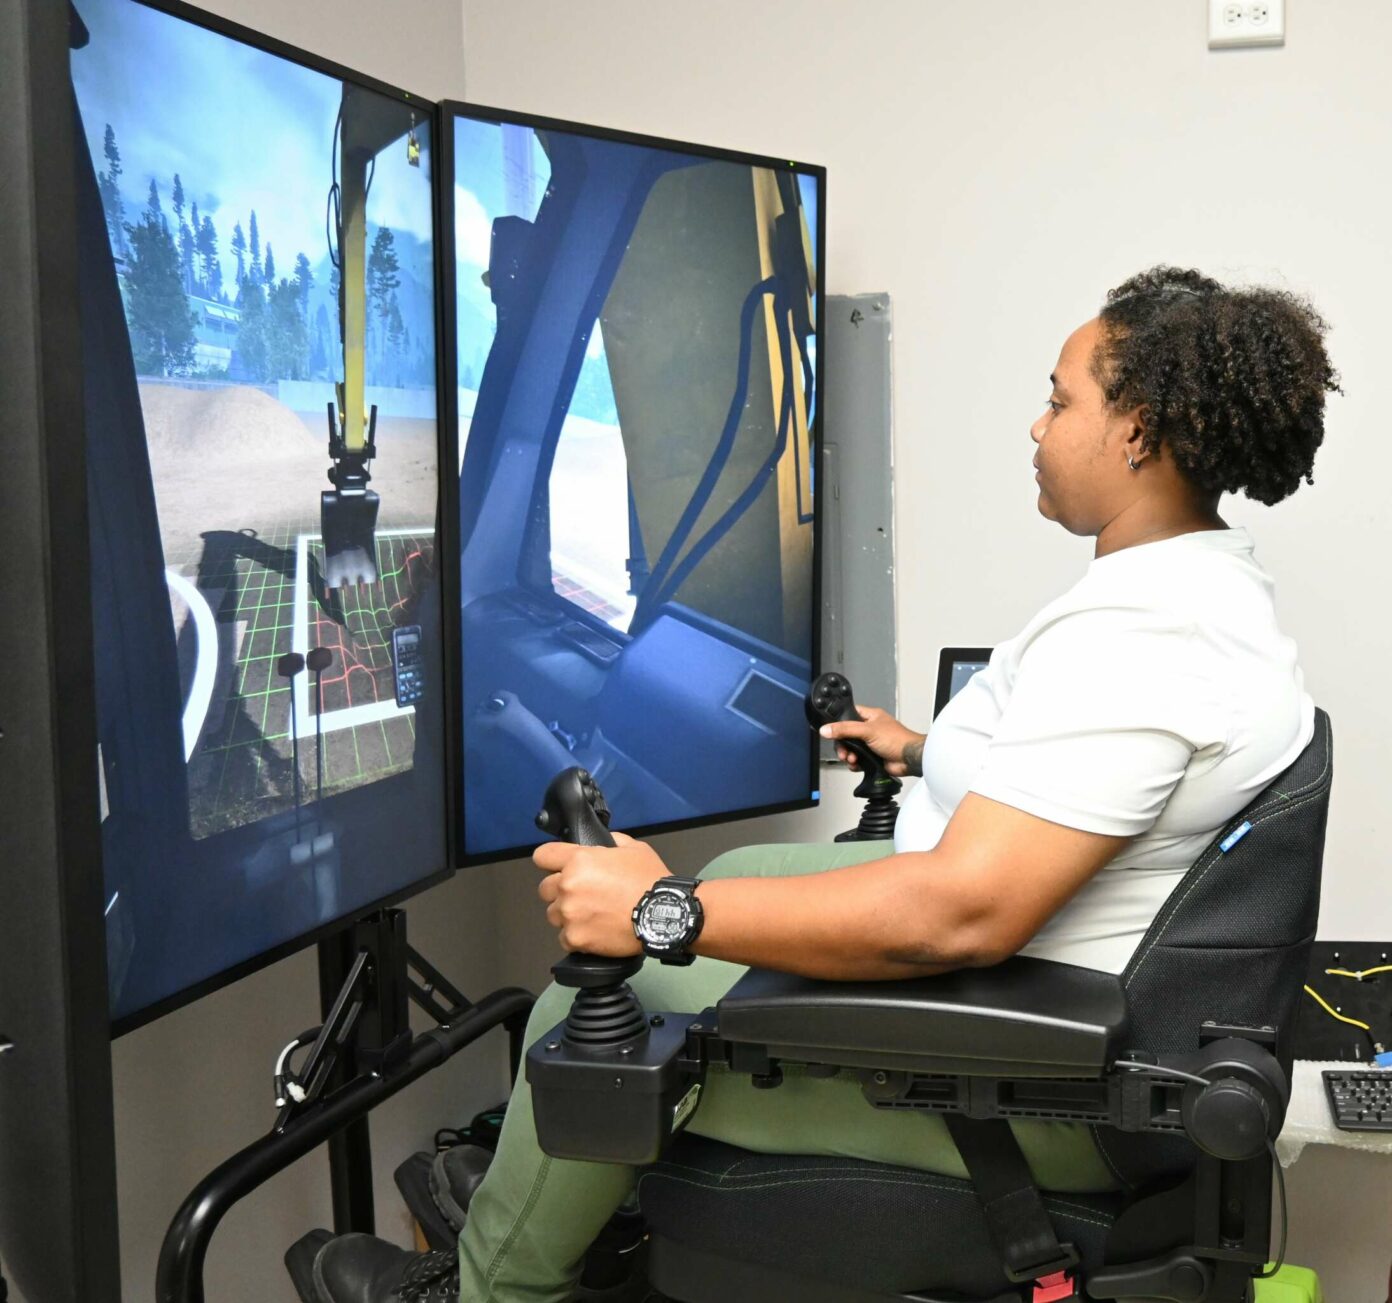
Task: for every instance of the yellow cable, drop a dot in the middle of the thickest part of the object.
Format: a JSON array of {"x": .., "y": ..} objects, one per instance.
[
  {"x": 1367, "y": 972},
  {"x": 1324, "y": 1004}
]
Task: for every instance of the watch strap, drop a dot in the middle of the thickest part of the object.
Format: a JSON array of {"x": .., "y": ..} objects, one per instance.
[{"x": 688, "y": 885}]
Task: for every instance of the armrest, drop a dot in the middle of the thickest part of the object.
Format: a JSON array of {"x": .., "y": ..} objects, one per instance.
[{"x": 1023, "y": 1018}]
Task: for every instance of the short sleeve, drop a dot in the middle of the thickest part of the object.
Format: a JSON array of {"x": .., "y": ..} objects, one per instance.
[{"x": 1106, "y": 710}]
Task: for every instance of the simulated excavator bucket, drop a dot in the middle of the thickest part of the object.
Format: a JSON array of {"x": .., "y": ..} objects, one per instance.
[{"x": 348, "y": 521}]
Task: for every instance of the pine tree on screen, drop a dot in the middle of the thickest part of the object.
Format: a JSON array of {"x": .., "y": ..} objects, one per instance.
[
  {"x": 109, "y": 186},
  {"x": 257, "y": 276},
  {"x": 287, "y": 339},
  {"x": 239, "y": 249},
  {"x": 208, "y": 256},
  {"x": 304, "y": 282},
  {"x": 249, "y": 359},
  {"x": 194, "y": 283},
  {"x": 157, "y": 312}
]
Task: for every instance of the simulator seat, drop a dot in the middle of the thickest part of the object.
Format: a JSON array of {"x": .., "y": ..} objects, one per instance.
[
  {"x": 1210, "y": 991},
  {"x": 1180, "y": 1065}
]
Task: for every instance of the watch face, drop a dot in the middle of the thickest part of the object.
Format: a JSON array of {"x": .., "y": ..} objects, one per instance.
[{"x": 664, "y": 919}]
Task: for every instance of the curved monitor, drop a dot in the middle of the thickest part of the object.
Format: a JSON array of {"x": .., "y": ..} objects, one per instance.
[
  {"x": 259, "y": 285},
  {"x": 635, "y": 326}
]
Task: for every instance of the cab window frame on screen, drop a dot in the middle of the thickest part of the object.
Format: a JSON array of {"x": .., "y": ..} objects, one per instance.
[{"x": 489, "y": 235}]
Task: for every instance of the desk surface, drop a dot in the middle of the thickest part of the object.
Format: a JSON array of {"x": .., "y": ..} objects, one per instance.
[{"x": 1309, "y": 1121}]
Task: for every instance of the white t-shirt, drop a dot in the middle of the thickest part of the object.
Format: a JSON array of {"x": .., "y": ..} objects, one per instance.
[{"x": 1153, "y": 700}]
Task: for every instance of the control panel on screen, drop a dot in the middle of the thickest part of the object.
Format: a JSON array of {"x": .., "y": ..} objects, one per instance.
[
  {"x": 636, "y": 326},
  {"x": 259, "y": 286}
]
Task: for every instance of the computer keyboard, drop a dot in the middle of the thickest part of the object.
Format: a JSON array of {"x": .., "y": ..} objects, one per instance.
[{"x": 1360, "y": 1100}]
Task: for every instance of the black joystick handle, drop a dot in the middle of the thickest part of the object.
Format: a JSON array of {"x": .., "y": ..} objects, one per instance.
[
  {"x": 831, "y": 700},
  {"x": 606, "y": 1012},
  {"x": 574, "y": 810}
]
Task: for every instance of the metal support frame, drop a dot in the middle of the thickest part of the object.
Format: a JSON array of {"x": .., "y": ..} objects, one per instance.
[
  {"x": 363, "y": 991},
  {"x": 362, "y": 1055}
]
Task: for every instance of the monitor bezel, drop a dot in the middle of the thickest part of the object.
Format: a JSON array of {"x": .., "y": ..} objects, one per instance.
[
  {"x": 59, "y": 1233},
  {"x": 947, "y": 658},
  {"x": 445, "y": 559},
  {"x": 449, "y": 112}
]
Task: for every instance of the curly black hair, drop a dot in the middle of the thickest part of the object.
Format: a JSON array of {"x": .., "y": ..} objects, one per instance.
[{"x": 1230, "y": 381}]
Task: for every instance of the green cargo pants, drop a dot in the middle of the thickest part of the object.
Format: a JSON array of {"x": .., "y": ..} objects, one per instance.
[{"x": 533, "y": 1217}]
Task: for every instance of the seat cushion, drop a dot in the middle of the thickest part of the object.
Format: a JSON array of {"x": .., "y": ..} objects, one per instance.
[{"x": 845, "y": 1221}]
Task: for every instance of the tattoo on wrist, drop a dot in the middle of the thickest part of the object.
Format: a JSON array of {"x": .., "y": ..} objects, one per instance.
[{"x": 913, "y": 758}]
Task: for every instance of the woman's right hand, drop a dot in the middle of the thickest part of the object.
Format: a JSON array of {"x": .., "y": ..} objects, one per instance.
[{"x": 897, "y": 745}]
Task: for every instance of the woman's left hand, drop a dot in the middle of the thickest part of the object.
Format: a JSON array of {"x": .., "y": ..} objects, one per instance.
[{"x": 590, "y": 892}]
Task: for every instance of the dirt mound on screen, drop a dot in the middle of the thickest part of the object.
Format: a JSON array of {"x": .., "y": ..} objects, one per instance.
[{"x": 220, "y": 424}]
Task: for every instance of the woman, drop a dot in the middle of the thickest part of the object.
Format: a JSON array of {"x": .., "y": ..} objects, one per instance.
[{"x": 1065, "y": 791}]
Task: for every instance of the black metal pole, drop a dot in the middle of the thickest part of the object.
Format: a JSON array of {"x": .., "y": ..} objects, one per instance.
[
  {"x": 179, "y": 1278},
  {"x": 288, "y": 666},
  {"x": 318, "y": 661},
  {"x": 517, "y": 1043},
  {"x": 350, "y": 1150}
]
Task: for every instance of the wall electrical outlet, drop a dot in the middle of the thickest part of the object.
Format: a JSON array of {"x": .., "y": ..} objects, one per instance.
[{"x": 1246, "y": 22}]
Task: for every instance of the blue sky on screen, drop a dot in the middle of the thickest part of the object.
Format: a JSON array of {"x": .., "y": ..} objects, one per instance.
[{"x": 244, "y": 129}]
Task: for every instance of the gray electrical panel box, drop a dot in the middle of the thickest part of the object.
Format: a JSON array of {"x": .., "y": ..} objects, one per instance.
[{"x": 857, "y": 492}]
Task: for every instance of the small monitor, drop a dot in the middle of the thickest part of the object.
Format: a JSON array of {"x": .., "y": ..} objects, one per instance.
[{"x": 956, "y": 668}]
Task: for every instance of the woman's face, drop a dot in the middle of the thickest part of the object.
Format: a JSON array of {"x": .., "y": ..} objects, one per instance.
[{"x": 1082, "y": 445}]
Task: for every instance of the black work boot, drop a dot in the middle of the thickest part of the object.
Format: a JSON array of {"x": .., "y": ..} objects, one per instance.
[
  {"x": 364, "y": 1269},
  {"x": 454, "y": 1177},
  {"x": 437, "y": 1188}
]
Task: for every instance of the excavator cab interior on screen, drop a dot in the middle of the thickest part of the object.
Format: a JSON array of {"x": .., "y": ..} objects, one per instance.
[{"x": 637, "y": 346}]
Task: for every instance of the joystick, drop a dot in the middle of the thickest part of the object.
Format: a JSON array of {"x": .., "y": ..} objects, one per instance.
[
  {"x": 574, "y": 810},
  {"x": 606, "y": 1012},
  {"x": 831, "y": 701}
]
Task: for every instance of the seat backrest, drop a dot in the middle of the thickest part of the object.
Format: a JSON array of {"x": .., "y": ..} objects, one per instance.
[{"x": 1232, "y": 943}]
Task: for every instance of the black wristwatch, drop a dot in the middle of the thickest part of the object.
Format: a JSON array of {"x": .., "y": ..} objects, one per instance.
[{"x": 668, "y": 919}]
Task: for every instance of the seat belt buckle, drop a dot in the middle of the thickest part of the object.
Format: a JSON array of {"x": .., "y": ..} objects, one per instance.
[
  {"x": 1059, "y": 1287},
  {"x": 1047, "y": 1272}
]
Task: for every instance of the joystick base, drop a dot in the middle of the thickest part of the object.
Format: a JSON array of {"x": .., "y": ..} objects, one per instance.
[
  {"x": 877, "y": 821},
  {"x": 606, "y": 1012},
  {"x": 615, "y": 1107},
  {"x": 605, "y": 1016}
]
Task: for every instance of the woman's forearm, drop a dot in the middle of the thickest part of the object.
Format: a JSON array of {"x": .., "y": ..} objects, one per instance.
[{"x": 897, "y": 917}]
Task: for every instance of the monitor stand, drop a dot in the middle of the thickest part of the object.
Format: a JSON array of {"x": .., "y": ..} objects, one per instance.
[{"x": 362, "y": 1054}]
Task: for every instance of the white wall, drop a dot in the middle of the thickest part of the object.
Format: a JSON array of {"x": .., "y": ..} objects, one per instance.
[{"x": 996, "y": 168}]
